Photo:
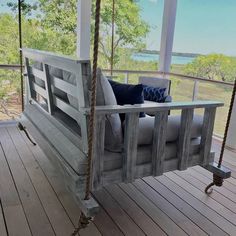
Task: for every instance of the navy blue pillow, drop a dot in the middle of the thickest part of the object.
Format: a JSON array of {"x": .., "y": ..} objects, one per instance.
[
  {"x": 154, "y": 94},
  {"x": 128, "y": 94}
]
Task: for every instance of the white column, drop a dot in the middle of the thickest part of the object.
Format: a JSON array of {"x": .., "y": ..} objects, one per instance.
[
  {"x": 83, "y": 28},
  {"x": 231, "y": 140},
  {"x": 167, "y": 35}
]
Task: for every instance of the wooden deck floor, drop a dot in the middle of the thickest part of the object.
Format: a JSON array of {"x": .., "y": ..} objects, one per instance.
[{"x": 34, "y": 200}]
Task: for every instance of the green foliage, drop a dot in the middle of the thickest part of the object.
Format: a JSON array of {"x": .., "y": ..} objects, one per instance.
[
  {"x": 213, "y": 66},
  {"x": 57, "y": 23}
]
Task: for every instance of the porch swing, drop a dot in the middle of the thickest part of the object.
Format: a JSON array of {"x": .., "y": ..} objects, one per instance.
[{"x": 74, "y": 118}]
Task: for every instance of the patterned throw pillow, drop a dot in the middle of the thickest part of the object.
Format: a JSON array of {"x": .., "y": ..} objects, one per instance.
[{"x": 154, "y": 94}]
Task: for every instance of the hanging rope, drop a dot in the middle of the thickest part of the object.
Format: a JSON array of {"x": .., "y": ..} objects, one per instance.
[
  {"x": 112, "y": 36},
  {"x": 21, "y": 58},
  {"x": 218, "y": 180},
  {"x": 84, "y": 221}
]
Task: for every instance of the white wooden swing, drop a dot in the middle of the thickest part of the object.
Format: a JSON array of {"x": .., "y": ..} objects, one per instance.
[{"x": 74, "y": 137}]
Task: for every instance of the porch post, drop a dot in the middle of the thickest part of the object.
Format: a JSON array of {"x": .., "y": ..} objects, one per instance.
[
  {"x": 167, "y": 35},
  {"x": 83, "y": 28},
  {"x": 231, "y": 140}
]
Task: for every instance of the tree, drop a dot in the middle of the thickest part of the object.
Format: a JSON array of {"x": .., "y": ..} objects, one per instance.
[
  {"x": 60, "y": 16},
  {"x": 213, "y": 66}
]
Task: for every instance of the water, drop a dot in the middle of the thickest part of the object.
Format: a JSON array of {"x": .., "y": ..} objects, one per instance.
[{"x": 181, "y": 60}]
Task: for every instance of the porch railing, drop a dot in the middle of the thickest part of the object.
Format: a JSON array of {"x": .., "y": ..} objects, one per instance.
[{"x": 131, "y": 76}]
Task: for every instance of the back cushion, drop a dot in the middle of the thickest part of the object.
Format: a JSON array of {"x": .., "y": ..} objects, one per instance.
[
  {"x": 105, "y": 96},
  {"x": 128, "y": 94}
]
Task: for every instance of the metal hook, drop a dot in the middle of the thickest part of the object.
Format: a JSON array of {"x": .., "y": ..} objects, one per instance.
[
  {"x": 22, "y": 128},
  {"x": 209, "y": 189}
]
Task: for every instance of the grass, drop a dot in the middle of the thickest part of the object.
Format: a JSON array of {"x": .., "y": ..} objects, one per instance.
[{"x": 182, "y": 90}]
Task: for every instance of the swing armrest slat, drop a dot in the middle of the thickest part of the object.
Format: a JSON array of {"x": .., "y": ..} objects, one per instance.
[{"x": 153, "y": 107}]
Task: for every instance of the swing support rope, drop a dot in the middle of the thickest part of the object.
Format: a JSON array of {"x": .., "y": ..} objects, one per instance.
[
  {"x": 83, "y": 220},
  {"x": 21, "y": 57},
  {"x": 218, "y": 179}
]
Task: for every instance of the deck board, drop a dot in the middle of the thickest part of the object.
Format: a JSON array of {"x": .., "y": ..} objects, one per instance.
[
  {"x": 3, "y": 227},
  {"x": 35, "y": 201}
]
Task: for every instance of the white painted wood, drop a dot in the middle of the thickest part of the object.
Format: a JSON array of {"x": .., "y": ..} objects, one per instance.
[
  {"x": 167, "y": 35},
  {"x": 48, "y": 88},
  {"x": 64, "y": 86},
  {"x": 153, "y": 107},
  {"x": 83, "y": 28},
  {"x": 41, "y": 91},
  {"x": 195, "y": 90},
  {"x": 231, "y": 140}
]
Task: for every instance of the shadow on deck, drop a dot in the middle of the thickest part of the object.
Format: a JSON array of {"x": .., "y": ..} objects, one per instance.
[{"x": 34, "y": 200}]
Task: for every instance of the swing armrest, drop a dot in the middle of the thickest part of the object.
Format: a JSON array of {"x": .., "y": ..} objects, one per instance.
[{"x": 153, "y": 107}]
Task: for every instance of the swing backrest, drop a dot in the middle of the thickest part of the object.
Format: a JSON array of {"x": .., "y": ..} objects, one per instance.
[{"x": 58, "y": 82}]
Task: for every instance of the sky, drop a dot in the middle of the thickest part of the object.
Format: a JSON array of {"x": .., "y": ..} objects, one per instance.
[{"x": 202, "y": 26}]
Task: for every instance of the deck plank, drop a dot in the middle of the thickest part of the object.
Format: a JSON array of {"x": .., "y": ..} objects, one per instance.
[
  {"x": 222, "y": 194},
  {"x": 36, "y": 216},
  {"x": 124, "y": 222},
  {"x": 3, "y": 228},
  {"x": 56, "y": 181},
  {"x": 14, "y": 214},
  {"x": 172, "y": 204},
  {"x": 154, "y": 212},
  {"x": 195, "y": 216},
  {"x": 106, "y": 225},
  {"x": 205, "y": 210},
  {"x": 136, "y": 213},
  {"x": 217, "y": 196},
  {"x": 199, "y": 194},
  {"x": 177, "y": 216},
  {"x": 58, "y": 218}
]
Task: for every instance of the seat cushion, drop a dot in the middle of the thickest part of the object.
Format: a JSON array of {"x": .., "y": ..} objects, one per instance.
[
  {"x": 146, "y": 127},
  {"x": 113, "y": 161}
]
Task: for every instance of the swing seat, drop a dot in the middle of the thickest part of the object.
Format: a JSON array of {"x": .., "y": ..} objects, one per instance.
[{"x": 57, "y": 109}]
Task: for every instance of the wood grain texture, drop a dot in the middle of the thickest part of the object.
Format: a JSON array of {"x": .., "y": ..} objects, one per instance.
[
  {"x": 3, "y": 227},
  {"x": 135, "y": 212},
  {"x": 188, "y": 210},
  {"x": 36, "y": 215},
  {"x": 159, "y": 142},
  {"x": 48, "y": 88},
  {"x": 183, "y": 149},
  {"x": 58, "y": 219},
  {"x": 98, "y": 153},
  {"x": 175, "y": 215},
  {"x": 207, "y": 132},
  {"x": 158, "y": 216},
  {"x": 218, "y": 220},
  {"x": 227, "y": 213},
  {"x": 154, "y": 107},
  {"x": 130, "y": 146},
  {"x": 151, "y": 206},
  {"x": 124, "y": 222},
  {"x": 55, "y": 179}
]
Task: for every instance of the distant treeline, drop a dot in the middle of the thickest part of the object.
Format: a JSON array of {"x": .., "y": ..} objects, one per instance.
[{"x": 181, "y": 54}]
